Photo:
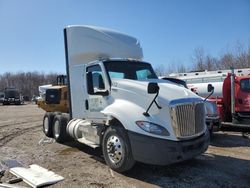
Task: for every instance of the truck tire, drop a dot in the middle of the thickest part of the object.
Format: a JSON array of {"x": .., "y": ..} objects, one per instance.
[
  {"x": 47, "y": 124},
  {"x": 59, "y": 128},
  {"x": 116, "y": 149}
]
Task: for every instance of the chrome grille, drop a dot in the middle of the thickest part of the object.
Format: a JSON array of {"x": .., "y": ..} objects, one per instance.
[{"x": 188, "y": 119}]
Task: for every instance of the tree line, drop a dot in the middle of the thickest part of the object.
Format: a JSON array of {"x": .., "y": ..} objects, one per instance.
[
  {"x": 237, "y": 58},
  {"x": 26, "y": 82}
]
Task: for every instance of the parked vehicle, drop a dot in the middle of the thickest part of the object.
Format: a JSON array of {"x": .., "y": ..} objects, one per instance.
[
  {"x": 12, "y": 96},
  {"x": 117, "y": 102},
  {"x": 54, "y": 98},
  {"x": 233, "y": 104},
  {"x": 212, "y": 115}
]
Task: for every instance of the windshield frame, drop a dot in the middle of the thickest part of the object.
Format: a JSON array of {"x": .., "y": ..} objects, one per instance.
[{"x": 150, "y": 68}]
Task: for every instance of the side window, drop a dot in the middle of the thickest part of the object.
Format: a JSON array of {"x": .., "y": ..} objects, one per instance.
[
  {"x": 95, "y": 81},
  {"x": 116, "y": 74},
  {"x": 143, "y": 74}
]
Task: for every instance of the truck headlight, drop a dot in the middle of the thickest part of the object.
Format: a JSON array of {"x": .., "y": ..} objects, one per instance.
[
  {"x": 152, "y": 128},
  {"x": 211, "y": 109}
]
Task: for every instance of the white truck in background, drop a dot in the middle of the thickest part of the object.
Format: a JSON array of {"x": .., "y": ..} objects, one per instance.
[{"x": 117, "y": 102}]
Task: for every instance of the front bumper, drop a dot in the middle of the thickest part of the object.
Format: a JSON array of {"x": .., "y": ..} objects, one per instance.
[
  {"x": 12, "y": 100},
  {"x": 157, "y": 151}
]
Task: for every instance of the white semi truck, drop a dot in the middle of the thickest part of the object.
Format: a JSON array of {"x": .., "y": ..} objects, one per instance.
[{"x": 118, "y": 103}]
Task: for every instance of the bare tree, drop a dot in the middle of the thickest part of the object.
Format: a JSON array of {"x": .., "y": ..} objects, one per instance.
[
  {"x": 227, "y": 61},
  {"x": 210, "y": 63},
  {"x": 181, "y": 68},
  {"x": 199, "y": 59},
  {"x": 160, "y": 70}
]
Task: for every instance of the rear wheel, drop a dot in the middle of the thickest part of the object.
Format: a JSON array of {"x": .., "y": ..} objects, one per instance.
[
  {"x": 116, "y": 149},
  {"x": 47, "y": 124},
  {"x": 59, "y": 128}
]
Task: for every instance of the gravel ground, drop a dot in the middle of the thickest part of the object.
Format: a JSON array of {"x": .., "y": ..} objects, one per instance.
[{"x": 225, "y": 164}]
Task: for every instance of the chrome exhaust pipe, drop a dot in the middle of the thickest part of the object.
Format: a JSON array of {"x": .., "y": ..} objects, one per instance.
[{"x": 232, "y": 79}]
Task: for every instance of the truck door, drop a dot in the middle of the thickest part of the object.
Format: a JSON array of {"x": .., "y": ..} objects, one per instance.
[{"x": 96, "y": 100}]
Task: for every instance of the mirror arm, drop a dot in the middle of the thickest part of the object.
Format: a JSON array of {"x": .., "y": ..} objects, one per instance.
[
  {"x": 158, "y": 106},
  {"x": 153, "y": 101},
  {"x": 209, "y": 95}
]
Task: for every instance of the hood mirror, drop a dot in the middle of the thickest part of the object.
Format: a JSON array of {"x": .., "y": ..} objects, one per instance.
[
  {"x": 153, "y": 88},
  {"x": 210, "y": 88}
]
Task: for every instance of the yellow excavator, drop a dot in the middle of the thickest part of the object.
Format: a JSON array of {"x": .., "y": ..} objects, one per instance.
[{"x": 56, "y": 97}]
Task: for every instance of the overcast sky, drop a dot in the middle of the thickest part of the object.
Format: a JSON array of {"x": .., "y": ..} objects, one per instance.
[{"x": 31, "y": 34}]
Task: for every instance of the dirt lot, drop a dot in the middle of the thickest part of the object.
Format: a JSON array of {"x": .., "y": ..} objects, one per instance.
[{"x": 225, "y": 164}]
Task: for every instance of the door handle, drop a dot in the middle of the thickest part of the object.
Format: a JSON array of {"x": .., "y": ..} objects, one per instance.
[{"x": 86, "y": 104}]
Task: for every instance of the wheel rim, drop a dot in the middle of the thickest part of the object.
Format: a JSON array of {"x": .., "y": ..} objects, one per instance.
[
  {"x": 115, "y": 149},
  {"x": 56, "y": 129},
  {"x": 46, "y": 125}
]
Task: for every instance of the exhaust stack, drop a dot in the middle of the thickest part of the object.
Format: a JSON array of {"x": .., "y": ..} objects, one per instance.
[{"x": 232, "y": 79}]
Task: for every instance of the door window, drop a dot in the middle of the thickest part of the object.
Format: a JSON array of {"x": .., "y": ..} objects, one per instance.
[{"x": 95, "y": 81}]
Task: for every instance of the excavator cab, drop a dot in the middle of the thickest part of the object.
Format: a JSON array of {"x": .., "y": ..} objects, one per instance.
[{"x": 61, "y": 80}]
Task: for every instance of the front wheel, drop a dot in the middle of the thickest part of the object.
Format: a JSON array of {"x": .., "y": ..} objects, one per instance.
[{"x": 116, "y": 149}]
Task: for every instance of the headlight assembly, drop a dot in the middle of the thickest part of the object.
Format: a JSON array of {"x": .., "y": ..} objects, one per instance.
[{"x": 152, "y": 128}]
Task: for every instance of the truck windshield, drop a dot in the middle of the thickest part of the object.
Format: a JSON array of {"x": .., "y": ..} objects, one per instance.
[
  {"x": 129, "y": 70},
  {"x": 11, "y": 94},
  {"x": 245, "y": 84}
]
